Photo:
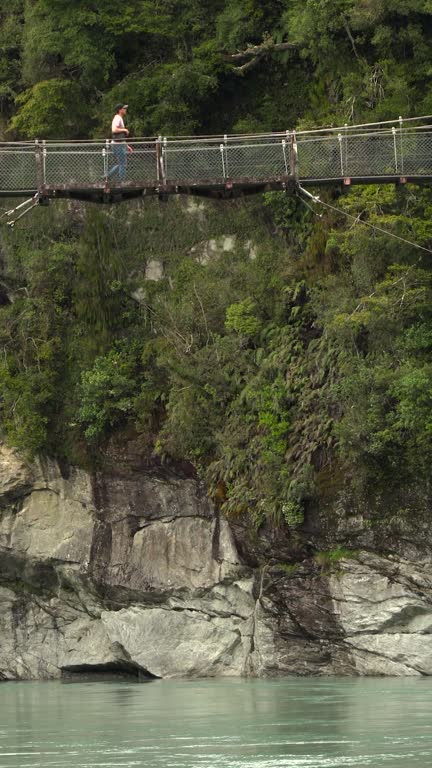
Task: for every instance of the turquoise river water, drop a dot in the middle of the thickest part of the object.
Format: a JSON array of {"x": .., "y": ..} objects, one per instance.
[{"x": 293, "y": 723}]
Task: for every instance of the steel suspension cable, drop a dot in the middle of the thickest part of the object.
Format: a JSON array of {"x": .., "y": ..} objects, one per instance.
[{"x": 356, "y": 220}]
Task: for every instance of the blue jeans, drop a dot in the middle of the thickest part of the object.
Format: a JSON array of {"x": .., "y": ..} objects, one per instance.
[{"x": 119, "y": 149}]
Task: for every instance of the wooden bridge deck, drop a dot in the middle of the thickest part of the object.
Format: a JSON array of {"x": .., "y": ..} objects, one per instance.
[{"x": 229, "y": 166}]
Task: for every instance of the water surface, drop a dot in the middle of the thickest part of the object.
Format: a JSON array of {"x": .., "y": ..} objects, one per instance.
[{"x": 294, "y": 723}]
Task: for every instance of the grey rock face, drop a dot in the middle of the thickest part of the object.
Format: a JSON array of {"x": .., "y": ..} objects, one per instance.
[
  {"x": 384, "y": 607},
  {"x": 137, "y": 571},
  {"x": 15, "y": 477},
  {"x": 208, "y": 250},
  {"x": 54, "y": 520},
  {"x": 167, "y": 643}
]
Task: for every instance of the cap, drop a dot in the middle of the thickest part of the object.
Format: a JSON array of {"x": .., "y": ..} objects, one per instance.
[{"x": 118, "y": 107}]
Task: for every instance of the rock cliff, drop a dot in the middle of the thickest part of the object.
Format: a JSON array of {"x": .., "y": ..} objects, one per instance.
[{"x": 133, "y": 571}]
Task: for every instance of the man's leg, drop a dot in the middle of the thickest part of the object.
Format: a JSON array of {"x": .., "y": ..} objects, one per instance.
[
  {"x": 122, "y": 160},
  {"x": 116, "y": 149}
]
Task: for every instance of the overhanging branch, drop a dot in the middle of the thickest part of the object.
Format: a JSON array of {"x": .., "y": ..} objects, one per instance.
[{"x": 255, "y": 53}]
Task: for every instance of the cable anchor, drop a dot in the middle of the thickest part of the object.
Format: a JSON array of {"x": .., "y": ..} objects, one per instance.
[{"x": 27, "y": 205}]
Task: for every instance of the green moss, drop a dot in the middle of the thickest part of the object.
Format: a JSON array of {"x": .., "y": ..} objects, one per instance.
[
  {"x": 288, "y": 568},
  {"x": 330, "y": 559}
]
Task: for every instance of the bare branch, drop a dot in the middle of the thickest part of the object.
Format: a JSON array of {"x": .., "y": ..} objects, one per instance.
[
  {"x": 203, "y": 314},
  {"x": 255, "y": 53},
  {"x": 350, "y": 37},
  {"x": 268, "y": 46},
  {"x": 248, "y": 65}
]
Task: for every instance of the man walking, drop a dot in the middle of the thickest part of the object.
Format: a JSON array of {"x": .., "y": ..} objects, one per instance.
[{"x": 119, "y": 134}]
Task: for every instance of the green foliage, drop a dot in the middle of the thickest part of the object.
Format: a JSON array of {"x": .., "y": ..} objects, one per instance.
[
  {"x": 242, "y": 318},
  {"x": 383, "y": 389},
  {"x": 49, "y": 109},
  {"x": 10, "y": 43},
  {"x": 365, "y": 54},
  {"x": 260, "y": 371},
  {"x": 242, "y": 22},
  {"x": 99, "y": 291},
  {"x": 31, "y": 330},
  {"x": 290, "y": 216},
  {"x": 293, "y": 513},
  {"x": 302, "y": 352},
  {"x": 328, "y": 560},
  {"x": 290, "y": 569},
  {"x": 355, "y": 60},
  {"x": 106, "y": 394}
]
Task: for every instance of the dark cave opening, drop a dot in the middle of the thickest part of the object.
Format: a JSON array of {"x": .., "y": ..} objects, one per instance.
[{"x": 113, "y": 670}]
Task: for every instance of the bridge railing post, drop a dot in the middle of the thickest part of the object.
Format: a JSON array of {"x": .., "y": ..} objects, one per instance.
[
  {"x": 222, "y": 151},
  {"x": 285, "y": 154},
  {"x": 160, "y": 167},
  {"x": 395, "y": 149},
  {"x": 225, "y": 145},
  {"x": 44, "y": 157},
  {"x": 105, "y": 158},
  {"x": 346, "y": 149},
  {"x": 294, "y": 164},
  {"x": 284, "y": 150},
  {"x": 163, "y": 160},
  {"x": 402, "y": 164},
  {"x": 224, "y": 157},
  {"x": 38, "y": 160},
  {"x": 341, "y": 154}
]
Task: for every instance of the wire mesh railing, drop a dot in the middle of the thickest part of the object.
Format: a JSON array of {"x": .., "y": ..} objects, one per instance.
[
  {"x": 93, "y": 165},
  {"x": 379, "y": 154},
  {"x": 185, "y": 161},
  {"x": 18, "y": 168},
  {"x": 386, "y": 151},
  {"x": 254, "y": 159}
]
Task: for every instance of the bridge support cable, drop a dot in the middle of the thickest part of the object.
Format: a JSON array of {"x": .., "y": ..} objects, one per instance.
[
  {"x": 356, "y": 220},
  {"x": 27, "y": 206}
]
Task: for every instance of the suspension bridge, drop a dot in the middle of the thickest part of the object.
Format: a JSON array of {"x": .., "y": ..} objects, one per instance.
[{"x": 397, "y": 151}]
